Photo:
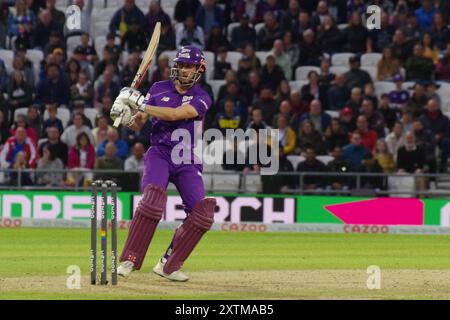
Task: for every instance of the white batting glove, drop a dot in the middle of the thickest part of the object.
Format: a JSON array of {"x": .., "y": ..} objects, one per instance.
[
  {"x": 132, "y": 97},
  {"x": 122, "y": 111}
]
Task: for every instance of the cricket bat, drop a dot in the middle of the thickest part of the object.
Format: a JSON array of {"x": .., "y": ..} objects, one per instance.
[{"x": 145, "y": 64}]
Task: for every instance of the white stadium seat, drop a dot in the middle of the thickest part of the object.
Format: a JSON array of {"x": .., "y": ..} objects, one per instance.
[
  {"x": 325, "y": 159},
  {"x": 332, "y": 113},
  {"x": 339, "y": 69},
  {"x": 382, "y": 87},
  {"x": 301, "y": 73},
  {"x": 372, "y": 72},
  {"x": 253, "y": 183},
  {"x": 72, "y": 43},
  {"x": 18, "y": 111},
  {"x": 233, "y": 58},
  {"x": 444, "y": 90},
  {"x": 259, "y": 26},
  {"x": 341, "y": 59},
  {"x": 370, "y": 59},
  {"x": 297, "y": 85},
  {"x": 215, "y": 86},
  {"x": 230, "y": 28},
  {"x": 295, "y": 160},
  {"x": 226, "y": 182},
  {"x": 8, "y": 57},
  {"x": 262, "y": 55},
  {"x": 62, "y": 114},
  {"x": 91, "y": 114}
]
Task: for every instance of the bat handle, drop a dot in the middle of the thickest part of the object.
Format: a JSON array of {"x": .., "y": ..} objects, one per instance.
[{"x": 118, "y": 121}]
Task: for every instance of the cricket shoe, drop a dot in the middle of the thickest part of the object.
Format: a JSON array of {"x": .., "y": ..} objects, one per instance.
[
  {"x": 174, "y": 276},
  {"x": 125, "y": 268}
]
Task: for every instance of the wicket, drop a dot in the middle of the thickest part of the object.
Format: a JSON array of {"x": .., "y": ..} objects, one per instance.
[{"x": 105, "y": 186}]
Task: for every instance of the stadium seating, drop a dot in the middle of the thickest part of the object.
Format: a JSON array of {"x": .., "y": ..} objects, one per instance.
[
  {"x": 7, "y": 56},
  {"x": 301, "y": 73},
  {"x": 62, "y": 114},
  {"x": 215, "y": 86},
  {"x": 382, "y": 87},
  {"x": 370, "y": 59},
  {"x": 233, "y": 58},
  {"x": 341, "y": 59}
]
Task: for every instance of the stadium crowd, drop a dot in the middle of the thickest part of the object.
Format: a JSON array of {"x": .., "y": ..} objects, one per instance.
[{"x": 340, "y": 112}]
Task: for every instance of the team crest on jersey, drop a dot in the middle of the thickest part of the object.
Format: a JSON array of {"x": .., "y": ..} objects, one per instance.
[
  {"x": 187, "y": 99},
  {"x": 165, "y": 99}
]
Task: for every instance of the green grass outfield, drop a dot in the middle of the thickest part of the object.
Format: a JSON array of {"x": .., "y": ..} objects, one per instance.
[{"x": 230, "y": 265}]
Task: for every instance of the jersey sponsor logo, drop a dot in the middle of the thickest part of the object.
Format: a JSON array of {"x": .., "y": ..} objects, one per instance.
[
  {"x": 165, "y": 99},
  {"x": 187, "y": 99},
  {"x": 184, "y": 55}
]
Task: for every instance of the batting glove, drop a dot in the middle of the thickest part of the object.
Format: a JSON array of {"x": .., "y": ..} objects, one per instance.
[{"x": 132, "y": 98}]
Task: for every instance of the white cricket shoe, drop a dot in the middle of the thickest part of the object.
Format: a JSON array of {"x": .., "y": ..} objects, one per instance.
[
  {"x": 174, "y": 276},
  {"x": 125, "y": 268}
]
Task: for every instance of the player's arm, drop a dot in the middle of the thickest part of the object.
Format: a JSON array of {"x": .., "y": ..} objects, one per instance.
[{"x": 183, "y": 112}]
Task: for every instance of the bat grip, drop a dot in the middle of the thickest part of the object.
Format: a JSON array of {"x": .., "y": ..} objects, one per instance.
[{"x": 118, "y": 121}]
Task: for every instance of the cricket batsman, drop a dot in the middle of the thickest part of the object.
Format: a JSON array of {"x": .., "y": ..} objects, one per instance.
[{"x": 170, "y": 105}]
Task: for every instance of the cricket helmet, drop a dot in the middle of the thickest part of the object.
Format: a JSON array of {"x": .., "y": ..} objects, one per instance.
[{"x": 192, "y": 55}]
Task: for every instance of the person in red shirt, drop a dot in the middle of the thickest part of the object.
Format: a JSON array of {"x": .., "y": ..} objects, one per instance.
[{"x": 369, "y": 137}]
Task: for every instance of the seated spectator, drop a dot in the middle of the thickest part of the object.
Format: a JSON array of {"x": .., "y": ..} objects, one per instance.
[
  {"x": 272, "y": 74},
  {"x": 243, "y": 34},
  {"x": 35, "y": 120},
  {"x": 407, "y": 120},
  {"x": 100, "y": 131},
  {"x": 135, "y": 162},
  {"x": 329, "y": 37},
  {"x": 20, "y": 163},
  {"x": 418, "y": 67},
  {"x": 285, "y": 110},
  {"x": 427, "y": 141},
  {"x": 326, "y": 77},
  {"x": 425, "y": 14},
  {"x": 313, "y": 90},
  {"x": 240, "y": 103},
  {"x": 21, "y": 23},
  {"x": 22, "y": 122},
  {"x": 53, "y": 89},
  {"x": 411, "y": 159},
  {"x": 267, "y": 103},
  {"x": 257, "y": 121},
  {"x": 431, "y": 91},
  {"x": 155, "y": 14},
  {"x": 370, "y": 165},
  {"x": 440, "y": 32},
  {"x": 348, "y": 122},
  {"x": 320, "y": 119},
  {"x": 289, "y": 17},
  {"x": 416, "y": 105},
  {"x": 375, "y": 118},
  {"x": 4, "y": 128},
  {"x": 53, "y": 165},
  {"x": 217, "y": 39},
  {"x": 190, "y": 34},
  {"x": 230, "y": 76},
  {"x": 53, "y": 140},
  {"x": 311, "y": 164},
  {"x": 229, "y": 119},
  {"x": 72, "y": 70},
  {"x": 108, "y": 87},
  {"x": 443, "y": 66},
  {"x": 355, "y": 151},
  {"x": 380, "y": 38},
  {"x": 401, "y": 49},
  {"x": 108, "y": 59},
  {"x": 429, "y": 48},
  {"x": 286, "y": 136},
  {"x": 355, "y": 102},
  {"x": 249, "y": 52},
  {"x": 309, "y": 136},
  {"x": 15, "y": 144},
  {"x": 244, "y": 70},
  {"x": 339, "y": 165},
  {"x": 388, "y": 66},
  {"x": 282, "y": 59},
  {"x": 439, "y": 125},
  {"x": 268, "y": 33},
  {"x": 79, "y": 109},
  {"x": 45, "y": 26},
  {"x": 81, "y": 157},
  {"x": 302, "y": 24},
  {"x": 157, "y": 75},
  {"x": 310, "y": 50},
  {"x": 298, "y": 107},
  {"x": 109, "y": 161},
  {"x": 412, "y": 29},
  {"x": 398, "y": 97},
  {"x": 369, "y": 137},
  {"x": 82, "y": 91},
  {"x": 283, "y": 91},
  {"x": 71, "y": 133},
  {"x": 87, "y": 49},
  {"x": 125, "y": 16},
  {"x": 356, "y": 77},
  {"x": 114, "y": 49},
  {"x": 395, "y": 139},
  {"x": 20, "y": 93},
  {"x": 338, "y": 94},
  {"x": 52, "y": 120},
  {"x": 135, "y": 38},
  {"x": 121, "y": 146},
  {"x": 105, "y": 107},
  {"x": 389, "y": 114},
  {"x": 221, "y": 66},
  {"x": 355, "y": 36},
  {"x": 209, "y": 14},
  {"x": 369, "y": 93},
  {"x": 384, "y": 158},
  {"x": 335, "y": 135},
  {"x": 23, "y": 64}
]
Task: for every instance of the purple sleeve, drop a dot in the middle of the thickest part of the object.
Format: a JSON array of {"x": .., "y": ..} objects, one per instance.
[
  {"x": 201, "y": 103},
  {"x": 149, "y": 97}
]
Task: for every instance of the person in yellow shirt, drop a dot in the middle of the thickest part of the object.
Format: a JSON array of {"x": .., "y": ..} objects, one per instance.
[
  {"x": 384, "y": 158},
  {"x": 430, "y": 49},
  {"x": 287, "y": 135}
]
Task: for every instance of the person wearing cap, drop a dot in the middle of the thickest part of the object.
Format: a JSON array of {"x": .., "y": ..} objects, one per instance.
[
  {"x": 398, "y": 97},
  {"x": 356, "y": 77},
  {"x": 243, "y": 34},
  {"x": 346, "y": 119},
  {"x": 87, "y": 49},
  {"x": 418, "y": 67}
]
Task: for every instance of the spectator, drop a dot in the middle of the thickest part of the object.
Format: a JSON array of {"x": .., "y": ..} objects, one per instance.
[
  {"x": 407, "y": 120},
  {"x": 286, "y": 136},
  {"x": 355, "y": 151},
  {"x": 105, "y": 107},
  {"x": 273, "y": 7},
  {"x": 186, "y": 8},
  {"x": 233, "y": 158},
  {"x": 257, "y": 121},
  {"x": 302, "y": 24},
  {"x": 388, "y": 66},
  {"x": 431, "y": 91},
  {"x": 249, "y": 51},
  {"x": 320, "y": 119},
  {"x": 443, "y": 66},
  {"x": 252, "y": 8},
  {"x": 389, "y": 114},
  {"x": 244, "y": 69},
  {"x": 109, "y": 58},
  {"x": 53, "y": 140},
  {"x": 71, "y": 133},
  {"x": 282, "y": 59},
  {"x": 229, "y": 119},
  {"x": 243, "y": 34},
  {"x": 20, "y": 163},
  {"x": 384, "y": 158},
  {"x": 268, "y": 33},
  {"x": 15, "y": 144},
  {"x": 82, "y": 91},
  {"x": 411, "y": 159},
  {"x": 412, "y": 30},
  {"x": 21, "y": 64},
  {"x": 53, "y": 89},
  {"x": 217, "y": 40},
  {"x": 395, "y": 139},
  {"x": 108, "y": 162},
  {"x": 135, "y": 38},
  {"x": 58, "y": 16},
  {"x": 34, "y": 120},
  {"x": 418, "y": 67},
  {"x": 290, "y": 16},
  {"x": 100, "y": 131},
  {"x": 45, "y": 26},
  {"x": 253, "y": 88},
  {"x": 276, "y": 184},
  {"x": 21, "y": 23},
  {"x": 124, "y": 17},
  {"x": 401, "y": 49},
  {"x": 370, "y": 165},
  {"x": 439, "y": 125},
  {"x": 157, "y": 75},
  {"x": 291, "y": 48},
  {"x": 430, "y": 49},
  {"x": 267, "y": 103},
  {"x": 375, "y": 118},
  {"x": 311, "y": 164},
  {"x": 71, "y": 71},
  {"x": 369, "y": 93},
  {"x": 81, "y": 157},
  {"x": 114, "y": 49},
  {"x": 310, "y": 51},
  {"x": 283, "y": 91},
  {"x": 356, "y": 36},
  {"x": 326, "y": 77},
  {"x": 55, "y": 44},
  {"x": 190, "y": 34},
  {"x": 356, "y": 77},
  {"x": 338, "y": 94},
  {"x": 108, "y": 87},
  {"x": 426, "y": 140},
  {"x": 335, "y": 135},
  {"x": 121, "y": 146},
  {"x": 382, "y": 37},
  {"x": 440, "y": 32},
  {"x": 339, "y": 165},
  {"x": 155, "y": 14},
  {"x": 418, "y": 99},
  {"x": 313, "y": 90},
  {"x": 86, "y": 49},
  {"x": 53, "y": 167},
  {"x": 240, "y": 103},
  {"x": 4, "y": 128},
  {"x": 130, "y": 69},
  {"x": 347, "y": 120},
  {"x": 309, "y": 136},
  {"x": 135, "y": 162},
  {"x": 285, "y": 110},
  {"x": 20, "y": 93},
  {"x": 369, "y": 136},
  {"x": 398, "y": 97},
  {"x": 208, "y": 15},
  {"x": 3, "y": 77},
  {"x": 425, "y": 14},
  {"x": 22, "y": 122},
  {"x": 272, "y": 74},
  {"x": 329, "y": 37}
]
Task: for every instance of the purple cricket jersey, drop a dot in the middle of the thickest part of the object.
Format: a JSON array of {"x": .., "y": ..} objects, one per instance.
[{"x": 164, "y": 94}]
